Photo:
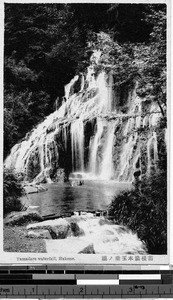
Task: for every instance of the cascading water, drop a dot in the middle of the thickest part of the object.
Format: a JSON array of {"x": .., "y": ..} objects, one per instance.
[
  {"x": 127, "y": 157},
  {"x": 77, "y": 145},
  {"x": 117, "y": 134},
  {"x": 94, "y": 165},
  {"x": 107, "y": 168}
]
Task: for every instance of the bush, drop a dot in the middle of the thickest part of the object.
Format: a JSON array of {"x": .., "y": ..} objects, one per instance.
[
  {"x": 144, "y": 210},
  {"x": 12, "y": 191}
]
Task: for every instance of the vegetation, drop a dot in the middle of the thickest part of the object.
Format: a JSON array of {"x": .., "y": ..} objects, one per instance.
[
  {"x": 47, "y": 44},
  {"x": 16, "y": 240},
  {"x": 12, "y": 191},
  {"x": 144, "y": 210}
]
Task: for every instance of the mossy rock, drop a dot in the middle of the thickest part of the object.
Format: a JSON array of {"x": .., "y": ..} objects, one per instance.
[{"x": 21, "y": 218}]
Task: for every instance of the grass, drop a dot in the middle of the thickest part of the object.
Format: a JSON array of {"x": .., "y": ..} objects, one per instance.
[{"x": 15, "y": 240}]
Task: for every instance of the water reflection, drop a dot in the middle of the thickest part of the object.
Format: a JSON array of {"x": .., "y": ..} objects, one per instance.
[{"x": 62, "y": 198}]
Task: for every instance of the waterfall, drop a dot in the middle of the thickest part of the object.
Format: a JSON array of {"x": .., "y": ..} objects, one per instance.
[
  {"x": 77, "y": 145},
  {"x": 145, "y": 121},
  {"x": 129, "y": 126},
  {"x": 107, "y": 168},
  {"x": 94, "y": 145},
  {"x": 113, "y": 142},
  {"x": 105, "y": 83},
  {"x": 65, "y": 135},
  {"x": 69, "y": 87},
  {"x": 127, "y": 157}
]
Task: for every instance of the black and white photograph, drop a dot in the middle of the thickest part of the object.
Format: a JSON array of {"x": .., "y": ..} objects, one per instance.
[{"x": 86, "y": 132}]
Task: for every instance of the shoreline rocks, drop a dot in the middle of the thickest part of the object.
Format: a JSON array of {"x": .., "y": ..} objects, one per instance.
[
  {"x": 22, "y": 218},
  {"x": 78, "y": 234},
  {"x": 58, "y": 228},
  {"x": 34, "y": 188}
]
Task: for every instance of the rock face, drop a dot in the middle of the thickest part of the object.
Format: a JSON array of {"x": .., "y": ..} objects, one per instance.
[
  {"x": 109, "y": 132},
  {"x": 88, "y": 250},
  {"x": 21, "y": 218}
]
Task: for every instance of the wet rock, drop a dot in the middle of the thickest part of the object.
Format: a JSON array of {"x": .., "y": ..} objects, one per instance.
[
  {"x": 122, "y": 230},
  {"x": 76, "y": 182},
  {"x": 33, "y": 165},
  {"x": 34, "y": 188},
  {"x": 98, "y": 213},
  {"x": 49, "y": 224},
  {"x": 104, "y": 221},
  {"x": 32, "y": 208},
  {"x": 109, "y": 232},
  {"x": 88, "y": 250},
  {"x": 31, "y": 189},
  {"x": 42, "y": 234},
  {"x": 58, "y": 228},
  {"x": 59, "y": 232},
  {"x": 76, "y": 230},
  {"x": 21, "y": 218},
  {"x": 41, "y": 178}
]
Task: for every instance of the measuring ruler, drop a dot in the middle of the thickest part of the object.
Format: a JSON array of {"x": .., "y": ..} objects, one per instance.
[
  {"x": 87, "y": 291},
  {"x": 53, "y": 282}
]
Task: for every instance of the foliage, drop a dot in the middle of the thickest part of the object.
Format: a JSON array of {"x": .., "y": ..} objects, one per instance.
[
  {"x": 115, "y": 58},
  {"x": 12, "y": 191},
  {"x": 144, "y": 210},
  {"x": 22, "y": 111},
  {"x": 152, "y": 58},
  {"x": 128, "y": 24},
  {"x": 142, "y": 62},
  {"x": 45, "y": 45}
]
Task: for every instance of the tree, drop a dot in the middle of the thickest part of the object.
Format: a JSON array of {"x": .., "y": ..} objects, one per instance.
[
  {"x": 153, "y": 57},
  {"x": 46, "y": 45},
  {"x": 12, "y": 191}
]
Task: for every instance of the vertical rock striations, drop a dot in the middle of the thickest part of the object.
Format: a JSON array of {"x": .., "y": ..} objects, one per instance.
[{"x": 105, "y": 132}]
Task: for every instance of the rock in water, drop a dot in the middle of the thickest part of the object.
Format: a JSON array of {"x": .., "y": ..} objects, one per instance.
[
  {"x": 32, "y": 208},
  {"x": 21, "y": 218},
  {"x": 41, "y": 234},
  {"x": 88, "y": 250},
  {"x": 34, "y": 188},
  {"x": 76, "y": 230},
  {"x": 59, "y": 232},
  {"x": 49, "y": 224}
]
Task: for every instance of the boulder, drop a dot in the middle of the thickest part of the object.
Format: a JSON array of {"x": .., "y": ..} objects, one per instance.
[
  {"x": 34, "y": 188},
  {"x": 21, "y": 218},
  {"x": 49, "y": 224},
  {"x": 88, "y": 250},
  {"x": 30, "y": 189},
  {"x": 59, "y": 232},
  {"x": 41, "y": 234},
  {"x": 58, "y": 228},
  {"x": 104, "y": 221},
  {"x": 32, "y": 208},
  {"x": 76, "y": 230}
]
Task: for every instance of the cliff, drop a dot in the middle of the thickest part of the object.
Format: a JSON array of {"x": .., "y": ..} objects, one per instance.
[{"x": 100, "y": 130}]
